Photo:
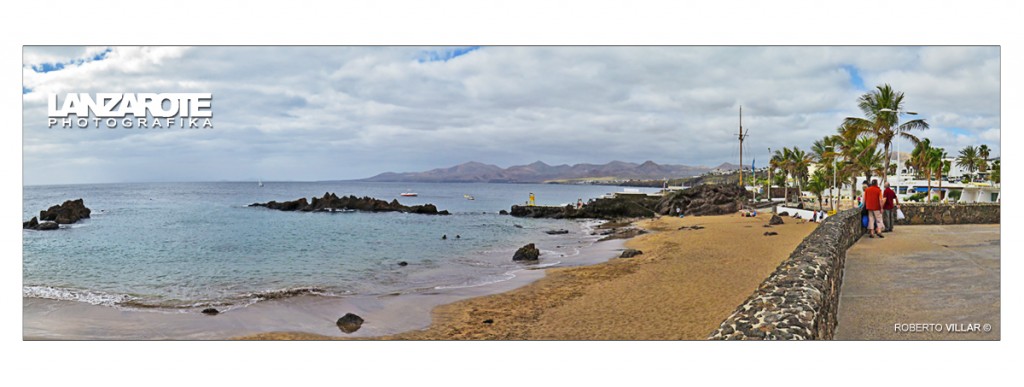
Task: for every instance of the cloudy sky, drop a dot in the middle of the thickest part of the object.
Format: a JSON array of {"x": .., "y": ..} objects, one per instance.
[{"x": 323, "y": 113}]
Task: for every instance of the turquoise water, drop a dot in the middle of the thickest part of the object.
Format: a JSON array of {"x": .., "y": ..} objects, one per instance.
[{"x": 190, "y": 245}]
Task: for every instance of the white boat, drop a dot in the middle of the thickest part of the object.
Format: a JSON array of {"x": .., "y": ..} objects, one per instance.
[
  {"x": 409, "y": 194},
  {"x": 468, "y": 197},
  {"x": 259, "y": 183}
]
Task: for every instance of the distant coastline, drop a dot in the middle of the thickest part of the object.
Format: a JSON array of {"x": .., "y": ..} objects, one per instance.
[{"x": 612, "y": 173}]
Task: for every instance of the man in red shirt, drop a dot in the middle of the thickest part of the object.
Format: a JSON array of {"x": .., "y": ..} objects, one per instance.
[
  {"x": 889, "y": 209},
  {"x": 873, "y": 202}
]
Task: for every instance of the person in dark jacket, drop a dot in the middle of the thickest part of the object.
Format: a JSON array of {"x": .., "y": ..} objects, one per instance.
[{"x": 889, "y": 209}]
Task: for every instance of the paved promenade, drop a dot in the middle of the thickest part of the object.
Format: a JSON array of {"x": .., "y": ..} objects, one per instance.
[{"x": 937, "y": 282}]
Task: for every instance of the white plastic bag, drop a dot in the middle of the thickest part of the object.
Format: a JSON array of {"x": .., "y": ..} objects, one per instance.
[{"x": 899, "y": 214}]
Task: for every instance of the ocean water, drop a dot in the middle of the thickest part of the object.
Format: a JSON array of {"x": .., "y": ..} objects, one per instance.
[{"x": 180, "y": 247}]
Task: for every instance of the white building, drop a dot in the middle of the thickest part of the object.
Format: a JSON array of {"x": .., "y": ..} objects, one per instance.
[{"x": 956, "y": 173}]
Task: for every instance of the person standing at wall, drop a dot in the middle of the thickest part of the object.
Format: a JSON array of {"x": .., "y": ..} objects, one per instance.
[
  {"x": 889, "y": 209},
  {"x": 873, "y": 202},
  {"x": 533, "y": 199}
]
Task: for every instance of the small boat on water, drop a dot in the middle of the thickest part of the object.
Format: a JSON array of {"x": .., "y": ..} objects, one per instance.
[
  {"x": 468, "y": 197},
  {"x": 409, "y": 194},
  {"x": 259, "y": 183}
]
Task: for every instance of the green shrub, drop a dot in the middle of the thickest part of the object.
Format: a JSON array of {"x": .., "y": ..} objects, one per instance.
[
  {"x": 915, "y": 197},
  {"x": 955, "y": 195}
]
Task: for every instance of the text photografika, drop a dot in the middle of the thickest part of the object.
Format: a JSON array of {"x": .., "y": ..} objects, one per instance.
[{"x": 131, "y": 110}]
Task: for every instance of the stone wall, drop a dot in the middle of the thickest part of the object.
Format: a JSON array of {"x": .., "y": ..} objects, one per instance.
[
  {"x": 800, "y": 298},
  {"x": 926, "y": 213}
]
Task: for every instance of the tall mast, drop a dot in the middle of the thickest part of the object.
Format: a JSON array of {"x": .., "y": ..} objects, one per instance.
[{"x": 741, "y": 136}]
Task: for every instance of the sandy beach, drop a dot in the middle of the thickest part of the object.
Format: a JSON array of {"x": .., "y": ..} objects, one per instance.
[{"x": 686, "y": 282}]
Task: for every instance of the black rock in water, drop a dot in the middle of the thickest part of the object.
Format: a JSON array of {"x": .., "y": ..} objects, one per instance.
[
  {"x": 557, "y": 232},
  {"x": 350, "y": 323},
  {"x": 502, "y": 212},
  {"x": 331, "y": 202},
  {"x": 34, "y": 224},
  {"x": 69, "y": 212},
  {"x": 403, "y": 263},
  {"x": 527, "y": 253},
  {"x": 707, "y": 199},
  {"x": 211, "y": 311}
]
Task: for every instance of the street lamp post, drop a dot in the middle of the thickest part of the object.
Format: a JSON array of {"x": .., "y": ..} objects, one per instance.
[
  {"x": 834, "y": 173},
  {"x": 899, "y": 176},
  {"x": 770, "y": 175}
]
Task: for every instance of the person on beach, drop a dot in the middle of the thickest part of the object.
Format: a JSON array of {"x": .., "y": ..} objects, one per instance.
[
  {"x": 889, "y": 209},
  {"x": 579, "y": 203},
  {"x": 873, "y": 202},
  {"x": 532, "y": 200}
]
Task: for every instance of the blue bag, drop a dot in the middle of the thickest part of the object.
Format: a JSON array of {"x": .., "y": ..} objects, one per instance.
[{"x": 864, "y": 221}]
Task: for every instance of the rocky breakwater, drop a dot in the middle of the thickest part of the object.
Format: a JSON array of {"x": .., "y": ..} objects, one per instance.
[
  {"x": 69, "y": 212},
  {"x": 708, "y": 199},
  {"x": 799, "y": 300},
  {"x": 332, "y": 203}
]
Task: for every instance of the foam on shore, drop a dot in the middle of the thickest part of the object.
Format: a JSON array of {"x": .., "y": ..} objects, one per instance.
[{"x": 51, "y": 313}]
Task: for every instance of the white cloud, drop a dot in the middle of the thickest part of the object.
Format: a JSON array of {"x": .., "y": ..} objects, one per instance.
[{"x": 310, "y": 113}]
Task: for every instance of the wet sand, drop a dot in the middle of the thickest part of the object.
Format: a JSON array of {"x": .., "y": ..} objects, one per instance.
[{"x": 684, "y": 285}]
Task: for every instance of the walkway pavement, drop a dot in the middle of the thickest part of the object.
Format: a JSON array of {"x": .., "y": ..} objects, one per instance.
[{"x": 922, "y": 283}]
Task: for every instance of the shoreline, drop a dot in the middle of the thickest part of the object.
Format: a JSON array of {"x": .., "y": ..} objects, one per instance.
[
  {"x": 681, "y": 288},
  {"x": 49, "y": 319}
]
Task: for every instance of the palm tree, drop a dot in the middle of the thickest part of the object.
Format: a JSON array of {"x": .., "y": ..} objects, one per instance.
[
  {"x": 867, "y": 158},
  {"x": 779, "y": 161},
  {"x": 910, "y": 164},
  {"x": 936, "y": 164},
  {"x": 825, "y": 151},
  {"x": 921, "y": 158},
  {"x": 846, "y": 138},
  {"x": 968, "y": 159},
  {"x": 800, "y": 161},
  {"x": 881, "y": 109},
  {"x": 817, "y": 184},
  {"x": 995, "y": 172},
  {"x": 983, "y": 153}
]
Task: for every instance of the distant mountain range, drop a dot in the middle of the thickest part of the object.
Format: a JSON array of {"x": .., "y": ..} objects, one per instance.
[{"x": 539, "y": 172}]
